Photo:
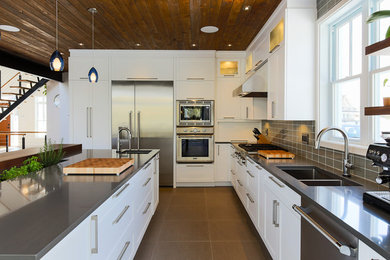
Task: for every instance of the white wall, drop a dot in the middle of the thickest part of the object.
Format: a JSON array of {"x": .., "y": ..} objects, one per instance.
[{"x": 58, "y": 117}]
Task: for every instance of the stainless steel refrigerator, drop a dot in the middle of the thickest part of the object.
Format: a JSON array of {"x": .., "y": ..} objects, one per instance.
[{"x": 146, "y": 108}]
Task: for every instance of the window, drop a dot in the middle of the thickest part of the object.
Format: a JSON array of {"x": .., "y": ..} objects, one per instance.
[
  {"x": 346, "y": 68},
  {"x": 40, "y": 115}
]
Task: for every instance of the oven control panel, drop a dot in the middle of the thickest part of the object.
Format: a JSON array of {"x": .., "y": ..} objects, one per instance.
[{"x": 194, "y": 130}]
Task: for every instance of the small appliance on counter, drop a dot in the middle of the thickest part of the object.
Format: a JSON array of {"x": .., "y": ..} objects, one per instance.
[
  {"x": 380, "y": 155},
  {"x": 261, "y": 139}
]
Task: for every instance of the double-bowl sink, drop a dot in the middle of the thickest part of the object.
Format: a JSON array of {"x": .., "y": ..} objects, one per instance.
[{"x": 314, "y": 176}]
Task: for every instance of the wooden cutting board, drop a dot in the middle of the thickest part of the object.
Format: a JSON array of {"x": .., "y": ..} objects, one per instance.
[
  {"x": 99, "y": 166},
  {"x": 276, "y": 154}
]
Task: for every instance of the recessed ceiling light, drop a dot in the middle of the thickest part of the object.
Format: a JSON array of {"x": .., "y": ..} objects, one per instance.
[
  {"x": 229, "y": 45},
  {"x": 209, "y": 29},
  {"x": 9, "y": 28},
  {"x": 193, "y": 45},
  {"x": 247, "y": 8},
  {"x": 81, "y": 44},
  {"x": 138, "y": 44},
  {"x": 62, "y": 53}
]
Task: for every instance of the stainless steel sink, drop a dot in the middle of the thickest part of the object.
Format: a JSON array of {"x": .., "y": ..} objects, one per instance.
[
  {"x": 135, "y": 151},
  {"x": 314, "y": 176}
]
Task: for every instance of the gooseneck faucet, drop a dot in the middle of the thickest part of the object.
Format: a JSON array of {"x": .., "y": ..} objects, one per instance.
[
  {"x": 118, "y": 147},
  {"x": 347, "y": 165}
]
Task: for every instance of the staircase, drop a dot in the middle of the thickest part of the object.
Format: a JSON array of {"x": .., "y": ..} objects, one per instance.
[{"x": 12, "y": 96}]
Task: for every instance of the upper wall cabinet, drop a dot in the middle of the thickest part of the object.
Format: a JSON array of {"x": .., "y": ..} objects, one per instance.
[
  {"x": 195, "y": 90},
  {"x": 261, "y": 53},
  {"x": 229, "y": 68},
  {"x": 141, "y": 68},
  {"x": 80, "y": 66},
  {"x": 195, "y": 69},
  {"x": 291, "y": 89}
]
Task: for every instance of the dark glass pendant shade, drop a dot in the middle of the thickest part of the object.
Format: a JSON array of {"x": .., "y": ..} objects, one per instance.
[
  {"x": 93, "y": 75},
  {"x": 56, "y": 61}
]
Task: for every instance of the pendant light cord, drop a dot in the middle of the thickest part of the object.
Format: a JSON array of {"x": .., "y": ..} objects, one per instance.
[
  {"x": 93, "y": 31},
  {"x": 56, "y": 24}
]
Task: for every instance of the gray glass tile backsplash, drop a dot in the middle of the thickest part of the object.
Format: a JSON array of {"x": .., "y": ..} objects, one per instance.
[{"x": 288, "y": 134}]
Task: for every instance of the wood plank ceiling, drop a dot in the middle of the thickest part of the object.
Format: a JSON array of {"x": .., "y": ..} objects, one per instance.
[{"x": 122, "y": 24}]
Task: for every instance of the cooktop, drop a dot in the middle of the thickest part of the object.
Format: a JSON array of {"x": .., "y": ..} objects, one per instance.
[{"x": 253, "y": 148}]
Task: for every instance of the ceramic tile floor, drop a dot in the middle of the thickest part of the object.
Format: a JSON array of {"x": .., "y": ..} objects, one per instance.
[{"x": 201, "y": 223}]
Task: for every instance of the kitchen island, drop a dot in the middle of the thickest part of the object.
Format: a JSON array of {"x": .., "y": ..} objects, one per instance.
[{"x": 39, "y": 210}]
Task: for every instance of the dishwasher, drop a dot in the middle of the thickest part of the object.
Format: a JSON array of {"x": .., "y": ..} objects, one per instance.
[{"x": 321, "y": 237}]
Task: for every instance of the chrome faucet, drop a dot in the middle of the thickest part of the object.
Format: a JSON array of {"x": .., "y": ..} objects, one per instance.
[
  {"x": 118, "y": 147},
  {"x": 347, "y": 165}
]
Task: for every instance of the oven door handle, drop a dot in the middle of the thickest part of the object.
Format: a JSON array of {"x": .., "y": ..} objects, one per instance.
[
  {"x": 343, "y": 249},
  {"x": 199, "y": 136}
]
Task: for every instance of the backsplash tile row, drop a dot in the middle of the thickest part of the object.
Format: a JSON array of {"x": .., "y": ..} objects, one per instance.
[{"x": 288, "y": 134}]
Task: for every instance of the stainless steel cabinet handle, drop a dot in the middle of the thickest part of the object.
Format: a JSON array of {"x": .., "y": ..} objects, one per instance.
[
  {"x": 194, "y": 98},
  {"x": 274, "y": 48},
  {"x": 232, "y": 172},
  {"x": 131, "y": 124},
  {"x": 83, "y": 77},
  {"x": 250, "y": 198},
  {"x": 228, "y": 117},
  {"x": 90, "y": 121},
  {"x": 218, "y": 149},
  {"x": 229, "y": 75},
  {"x": 277, "y": 183},
  {"x": 121, "y": 215},
  {"x": 143, "y": 78},
  {"x": 87, "y": 123},
  {"x": 195, "y": 78},
  {"x": 343, "y": 249},
  {"x": 119, "y": 193},
  {"x": 194, "y": 166},
  {"x": 247, "y": 112},
  {"x": 139, "y": 128},
  {"x": 94, "y": 250},
  {"x": 146, "y": 183},
  {"x": 250, "y": 174},
  {"x": 275, "y": 214},
  {"x": 123, "y": 250},
  {"x": 273, "y": 109},
  {"x": 239, "y": 182},
  {"x": 147, "y": 208},
  {"x": 258, "y": 167},
  {"x": 147, "y": 166},
  {"x": 257, "y": 63}
]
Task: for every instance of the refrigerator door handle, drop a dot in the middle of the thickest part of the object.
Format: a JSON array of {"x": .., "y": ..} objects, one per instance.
[
  {"x": 87, "y": 123},
  {"x": 131, "y": 122},
  {"x": 139, "y": 129}
]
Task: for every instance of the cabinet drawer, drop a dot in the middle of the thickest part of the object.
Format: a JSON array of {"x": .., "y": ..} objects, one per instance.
[
  {"x": 143, "y": 184},
  {"x": 142, "y": 218},
  {"x": 124, "y": 248},
  {"x": 252, "y": 206},
  {"x": 195, "y": 172},
  {"x": 286, "y": 194}
]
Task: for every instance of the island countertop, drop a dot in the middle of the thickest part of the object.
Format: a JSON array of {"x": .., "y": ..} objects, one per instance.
[{"x": 38, "y": 210}]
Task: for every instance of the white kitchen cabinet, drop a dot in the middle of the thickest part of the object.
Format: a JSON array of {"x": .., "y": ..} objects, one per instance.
[
  {"x": 272, "y": 223},
  {"x": 261, "y": 52},
  {"x": 91, "y": 113},
  {"x": 292, "y": 68},
  {"x": 77, "y": 240},
  {"x": 195, "y": 69},
  {"x": 367, "y": 253},
  {"x": 227, "y": 106},
  {"x": 187, "y": 89},
  {"x": 222, "y": 168},
  {"x": 80, "y": 66},
  {"x": 194, "y": 173},
  {"x": 142, "y": 68},
  {"x": 229, "y": 68}
]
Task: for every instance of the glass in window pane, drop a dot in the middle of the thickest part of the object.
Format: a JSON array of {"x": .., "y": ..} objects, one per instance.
[
  {"x": 347, "y": 107},
  {"x": 357, "y": 45},
  {"x": 343, "y": 51},
  {"x": 383, "y": 26}
]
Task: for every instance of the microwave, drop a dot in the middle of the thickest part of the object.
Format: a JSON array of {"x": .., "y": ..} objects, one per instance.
[{"x": 195, "y": 113}]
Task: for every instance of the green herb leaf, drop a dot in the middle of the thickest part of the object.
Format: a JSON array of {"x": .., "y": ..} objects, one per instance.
[
  {"x": 385, "y": 81},
  {"x": 388, "y": 33},
  {"x": 378, "y": 15}
]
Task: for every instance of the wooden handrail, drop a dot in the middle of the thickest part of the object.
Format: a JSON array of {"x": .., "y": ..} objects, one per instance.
[
  {"x": 10, "y": 79},
  {"x": 23, "y": 132}
]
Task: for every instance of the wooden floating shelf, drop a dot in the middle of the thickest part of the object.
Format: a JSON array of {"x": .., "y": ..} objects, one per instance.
[
  {"x": 379, "y": 48},
  {"x": 375, "y": 111}
]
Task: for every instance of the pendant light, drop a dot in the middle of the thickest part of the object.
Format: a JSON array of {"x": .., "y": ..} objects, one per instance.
[
  {"x": 56, "y": 60},
  {"x": 93, "y": 75}
]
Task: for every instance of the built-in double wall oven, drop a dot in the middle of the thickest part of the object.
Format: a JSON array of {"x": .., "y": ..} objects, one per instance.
[{"x": 195, "y": 131}]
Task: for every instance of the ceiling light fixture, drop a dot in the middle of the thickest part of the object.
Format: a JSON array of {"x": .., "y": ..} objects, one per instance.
[
  {"x": 229, "y": 45},
  {"x": 247, "y": 8},
  {"x": 194, "y": 45},
  {"x": 209, "y": 29},
  {"x": 9, "y": 28},
  {"x": 81, "y": 44},
  {"x": 93, "y": 75},
  {"x": 56, "y": 60},
  {"x": 138, "y": 44}
]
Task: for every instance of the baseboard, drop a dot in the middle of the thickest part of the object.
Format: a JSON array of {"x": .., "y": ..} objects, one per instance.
[
  {"x": 223, "y": 184},
  {"x": 195, "y": 184}
]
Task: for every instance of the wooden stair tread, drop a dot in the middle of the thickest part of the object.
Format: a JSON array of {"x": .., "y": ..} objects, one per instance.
[
  {"x": 10, "y": 93},
  {"x": 27, "y": 80},
  {"x": 19, "y": 87},
  {"x": 4, "y": 105},
  {"x": 8, "y": 100}
]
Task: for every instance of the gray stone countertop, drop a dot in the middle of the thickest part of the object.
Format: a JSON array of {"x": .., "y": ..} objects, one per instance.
[
  {"x": 38, "y": 210},
  {"x": 343, "y": 203}
]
